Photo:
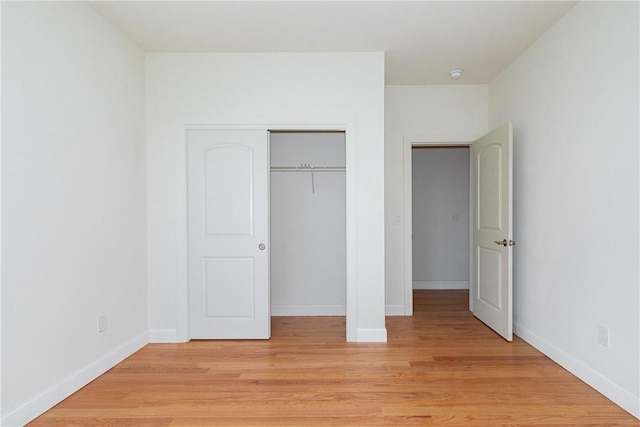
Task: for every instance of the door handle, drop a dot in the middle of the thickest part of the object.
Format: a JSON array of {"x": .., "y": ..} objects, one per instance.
[
  {"x": 505, "y": 242},
  {"x": 261, "y": 246}
]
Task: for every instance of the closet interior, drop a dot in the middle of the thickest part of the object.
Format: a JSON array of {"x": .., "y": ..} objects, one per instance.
[{"x": 307, "y": 223}]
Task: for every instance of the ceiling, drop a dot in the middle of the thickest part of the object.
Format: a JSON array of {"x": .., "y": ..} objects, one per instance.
[{"x": 422, "y": 40}]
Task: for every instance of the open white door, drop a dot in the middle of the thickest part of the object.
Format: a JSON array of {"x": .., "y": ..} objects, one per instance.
[
  {"x": 492, "y": 230},
  {"x": 228, "y": 234}
]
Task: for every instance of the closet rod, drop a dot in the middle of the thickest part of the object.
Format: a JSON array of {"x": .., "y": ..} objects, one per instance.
[{"x": 308, "y": 168}]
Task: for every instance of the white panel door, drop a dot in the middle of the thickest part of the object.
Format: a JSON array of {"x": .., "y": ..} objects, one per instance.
[
  {"x": 492, "y": 230},
  {"x": 228, "y": 234}
]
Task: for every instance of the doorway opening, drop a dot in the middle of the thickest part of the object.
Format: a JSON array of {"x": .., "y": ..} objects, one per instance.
[
  {"x": 490, "y": 227},
  {"x": 440, "y": 217},
  {"x": 308, "y": 223},
  {"x": 438, "y": 231}
]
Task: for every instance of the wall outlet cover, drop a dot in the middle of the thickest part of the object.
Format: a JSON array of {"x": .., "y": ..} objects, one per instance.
[{"x": 603, "y": 336}]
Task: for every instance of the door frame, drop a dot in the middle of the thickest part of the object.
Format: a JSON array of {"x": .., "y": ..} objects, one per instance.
[
  {"x": 343, "y": 124},
  {"x": 432, "y": 140}
]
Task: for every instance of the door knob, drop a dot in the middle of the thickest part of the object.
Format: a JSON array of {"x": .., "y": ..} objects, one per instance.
[
  {"x": 502, "y": 242},
  {"x": 261, "y": 246}
]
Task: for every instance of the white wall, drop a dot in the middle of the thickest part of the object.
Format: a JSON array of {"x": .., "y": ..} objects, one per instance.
[
  {"x": 440, "y": 212},
  {"x": 73, "y": 202},
  {"x": 573, "y": 100},
  {"x": 268, "y": 90},
  {"x": 420, "y": 113},
  {"x": 307, "y": 228}
]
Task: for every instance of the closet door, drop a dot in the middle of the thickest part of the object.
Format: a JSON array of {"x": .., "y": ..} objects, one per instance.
[{"x": 228, "y": 234}]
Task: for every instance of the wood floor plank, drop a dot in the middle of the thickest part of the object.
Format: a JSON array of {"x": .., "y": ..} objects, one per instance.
[{"x": 440, "y": 367}]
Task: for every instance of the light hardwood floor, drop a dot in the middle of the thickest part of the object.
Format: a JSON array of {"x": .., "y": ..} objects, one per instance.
[{"x": 440, "y": 367}]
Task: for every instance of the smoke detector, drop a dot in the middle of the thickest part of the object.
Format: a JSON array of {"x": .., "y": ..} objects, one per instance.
[{"x": 455, "y": 74}]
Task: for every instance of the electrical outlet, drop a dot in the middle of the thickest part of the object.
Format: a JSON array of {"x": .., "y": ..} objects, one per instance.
[
  {"x": 603, "y": 336},
  {"x": 102, "y": 322}
]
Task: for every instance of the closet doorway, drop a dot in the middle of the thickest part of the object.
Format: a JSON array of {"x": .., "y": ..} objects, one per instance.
[
  {"x": 440, "y": 217},
  {"x": 307, "y": 223},
  {"x": 430, "y": 225}
]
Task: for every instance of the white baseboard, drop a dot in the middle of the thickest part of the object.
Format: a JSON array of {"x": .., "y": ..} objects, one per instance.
[
  {"x": 371, "y": 335},
  {"x": 440, "y": 284},
  {"x": 394, "y": 310},
  {"x": 308, "y": 310},
  {"x": 157, "y": 336},
  {"x": 64, "y": 388},
  {"x": 603, "y": 385}
]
